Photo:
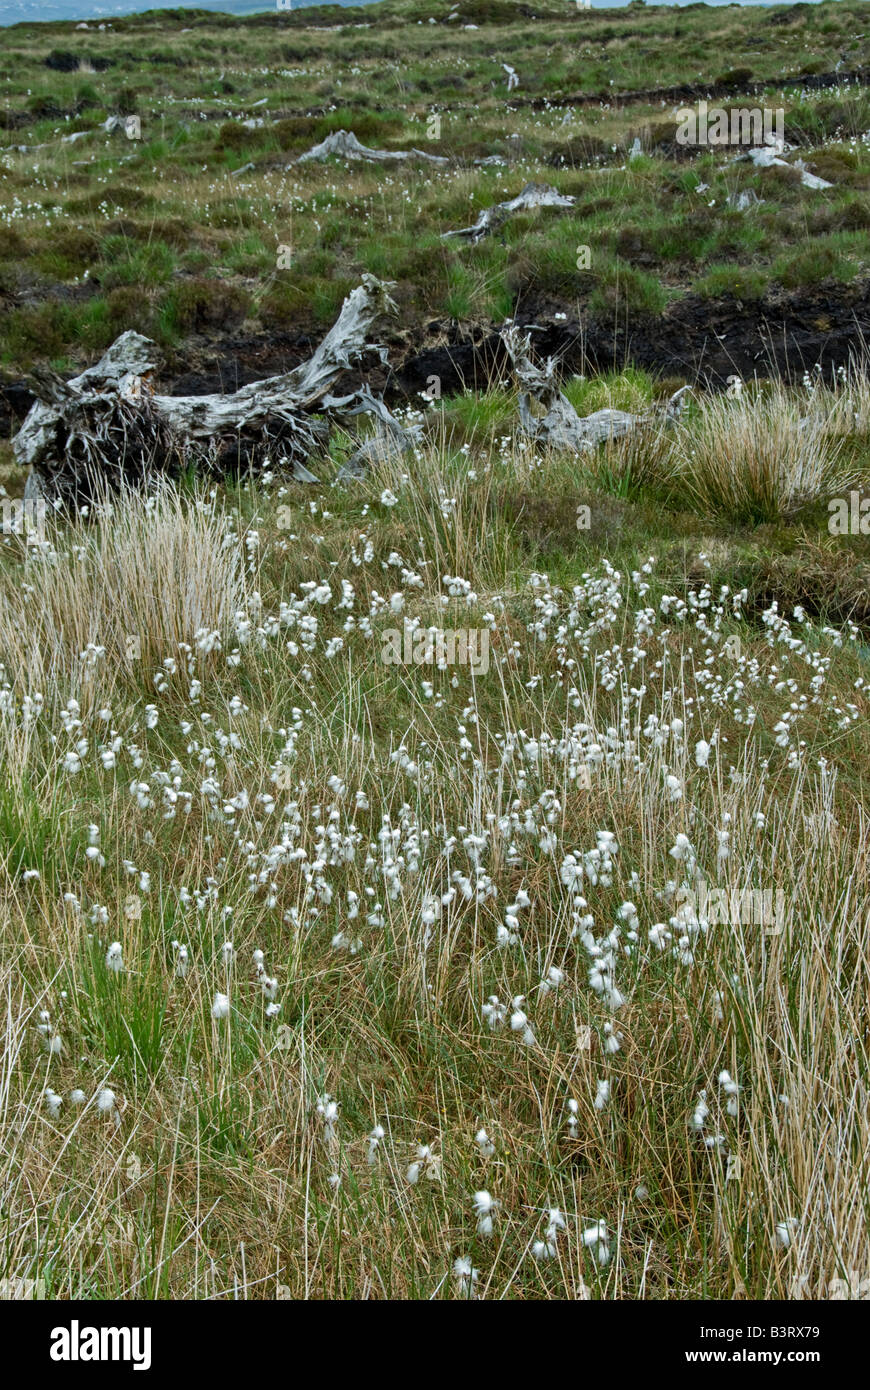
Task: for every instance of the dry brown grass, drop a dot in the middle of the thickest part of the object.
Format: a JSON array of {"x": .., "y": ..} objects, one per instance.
[
  {"x": 214, "y": 1175},
  {"x": 150, "y": 572}
]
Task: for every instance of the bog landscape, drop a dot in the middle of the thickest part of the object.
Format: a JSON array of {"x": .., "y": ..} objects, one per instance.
[{"x": 434, "y": 653}]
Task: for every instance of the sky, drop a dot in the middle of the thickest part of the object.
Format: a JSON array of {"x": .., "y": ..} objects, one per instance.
[{"x": 16, "y": 11}]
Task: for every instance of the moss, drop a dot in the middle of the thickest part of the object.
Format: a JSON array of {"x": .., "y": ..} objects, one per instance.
[
  {"x": 119, "y": 195},
  {"x": 68, "y": 253},
  {"x": 129, "y": 306},
  {"x": 831, "y": 584},
  {"x": 299, "y": 133},
  {"x": 39, "y": 331},
  {"x": 149, "y": 263},
  {"x": 233, "y": 137},
  {"x": 735, "y": 77},
  {"x": 582, "y": 150},
  {"x": 126, "y": 101},
  {"x": 840, "y": 166},
  {"x": 285, "y": 303},
  {"x": 638, "y": 244}
]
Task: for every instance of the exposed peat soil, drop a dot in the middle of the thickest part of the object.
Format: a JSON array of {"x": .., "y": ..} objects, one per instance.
[{"x": 700, "y": 341}]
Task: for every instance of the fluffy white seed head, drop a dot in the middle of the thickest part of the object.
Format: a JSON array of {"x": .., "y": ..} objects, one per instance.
[{"x": 221, "y": 1006}]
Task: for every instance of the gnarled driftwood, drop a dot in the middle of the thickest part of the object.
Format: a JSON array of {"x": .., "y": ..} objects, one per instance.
[
  {"x": 345, "y": 145},
  {"x": 766, "y": 156},
  {"x": 561, "y": 427},
  {"x": 107, "y": 426},
  {"x": 534, "y": 195}
]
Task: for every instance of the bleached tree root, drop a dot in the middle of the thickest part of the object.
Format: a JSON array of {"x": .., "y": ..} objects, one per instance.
[
  {"x": 766, "y": 156},
  {"x": 343, "y": 144},
  {"x": 534, "y": 195},
  {"x": 560, "y": 427},
  {"x": 106, "y": 427}
]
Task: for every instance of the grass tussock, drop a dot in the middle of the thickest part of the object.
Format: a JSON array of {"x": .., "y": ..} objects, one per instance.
[
  {"x": 145, "y": 576},
  {"x": 759, "y": 456}
]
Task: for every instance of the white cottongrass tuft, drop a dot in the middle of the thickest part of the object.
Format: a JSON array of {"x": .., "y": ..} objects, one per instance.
[
  {"x": 115, "y": 957},
  {"x": 484, "y": 1144},
  {"x": 520, "y": 1023},
  {"x": 105, "y": 1101},
  {"x": 466, "y": 1276},
  {"x": 375, "y": 1138},
  {"x": 485, "y": 1207},
  {"x": 546, "y": 1248},
  {"x": 327, "y": 1110},
  {"x": 425, "y": 1165},
  {"x": 731, "y": 1089},
  {"x": 596, "y": 1239},
  {"x": 551, "y": 981},
  {"x": 494, "y": 1012},
  {"x": 221, "y": 1006},
  {"x": 700, "y": 1113}
]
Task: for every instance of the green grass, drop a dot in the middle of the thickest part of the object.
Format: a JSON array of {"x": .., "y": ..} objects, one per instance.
[
  {"x": 827, "y": 258},
  {"x": 622, "y": 291},
  {"x": 734, "y": 281},
  {"x": 652, "y": 235},
  {"x": 122, "y": 1017}
]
